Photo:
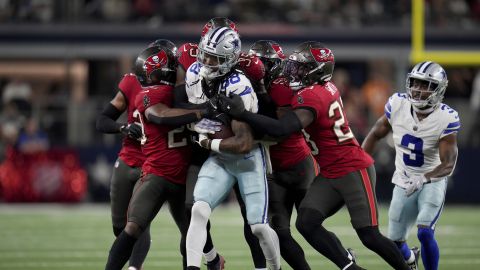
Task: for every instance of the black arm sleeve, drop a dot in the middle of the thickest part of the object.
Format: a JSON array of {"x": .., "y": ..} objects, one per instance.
[
  {"x": 180, "y": 99},
  {"x": 175, "y": 120},
  {"x": 106, "y": 121},
  {"x": 283, "y": 127}
]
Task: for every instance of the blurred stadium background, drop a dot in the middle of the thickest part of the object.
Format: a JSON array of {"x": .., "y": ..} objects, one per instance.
[{"x": 60, "y": 62}]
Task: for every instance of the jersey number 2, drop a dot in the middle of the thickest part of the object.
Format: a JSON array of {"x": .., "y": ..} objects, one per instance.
[
  {"x": 343, "y": 132},
  {"x": 415, "y": 144}
]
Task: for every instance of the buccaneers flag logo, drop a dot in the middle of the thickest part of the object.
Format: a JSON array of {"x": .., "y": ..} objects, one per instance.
[{"x": 322, "y": 54}]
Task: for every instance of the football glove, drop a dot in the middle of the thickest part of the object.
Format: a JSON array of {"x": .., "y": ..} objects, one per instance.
[
  {"x": 232, "y": 105},
  {"x": 132, "y": 130},
  {"x": 203, "y": 141},
  {"x": 414, "y": 183},
  {"x": 207, "y": 126}
]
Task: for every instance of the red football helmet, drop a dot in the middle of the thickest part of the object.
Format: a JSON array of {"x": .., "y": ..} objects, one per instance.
[
  {"x": 218, "y": 22},
  {"x": 311, "y": 62},
  {"x": 165, "y": 43},
  {"x": 271, "y": 54},
  {"x": 156, "y": 65}
]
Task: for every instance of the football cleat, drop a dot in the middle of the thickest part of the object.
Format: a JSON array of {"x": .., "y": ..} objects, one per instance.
[
  {"x": 416, "y": 253},
  {"x": 219, "y": 265}
]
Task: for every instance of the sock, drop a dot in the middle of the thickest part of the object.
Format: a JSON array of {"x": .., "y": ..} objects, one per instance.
[
  {"x": 140, "y": 249},
  {"x": 309, "y": 224},
  {"x": 405, "y": 250},
  {"x": 291, "y": 251},
  {"x": 430, "y": 252},
  {"x": 120, "y": 251},
  {"x": 211, "y": 255},
  {"x": 197, "y": 233},
  {"x": 268, "y": 240},
  {"x": 376, "y": 242},
  {"x": 193, "y": 268}
]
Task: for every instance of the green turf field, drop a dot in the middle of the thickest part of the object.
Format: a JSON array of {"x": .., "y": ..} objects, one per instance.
[{"x": 78, "y": 237}]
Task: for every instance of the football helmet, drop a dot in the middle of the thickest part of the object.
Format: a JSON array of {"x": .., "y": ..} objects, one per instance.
[
  {"x": 156, "y": 65},
  {"x": 218, "y": 22},
  {"x": 311, "y": 62},
  {"x": 218, "y": 52},
  {"x": 165, "y": 43},
  {"x": 271, "y": 54},
  {"x": 426, "y": 85}
]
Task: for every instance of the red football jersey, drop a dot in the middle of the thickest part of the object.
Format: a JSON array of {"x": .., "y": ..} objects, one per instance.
[
  {"x": 294, "y": 148},
  {"x": 252, "y": 66},
  {"x": 131, "y": 152},
  {"x": 339, "y": 151},
  {"x": 187, "y": 55},
  {"x": 165, "y": 148}
]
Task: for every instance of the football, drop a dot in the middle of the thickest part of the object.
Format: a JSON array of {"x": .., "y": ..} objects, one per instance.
[{"x": 225, "y": 132}]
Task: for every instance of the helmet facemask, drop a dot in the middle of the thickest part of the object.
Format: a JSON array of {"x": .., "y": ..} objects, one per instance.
[{"x": 295, "y": 73}]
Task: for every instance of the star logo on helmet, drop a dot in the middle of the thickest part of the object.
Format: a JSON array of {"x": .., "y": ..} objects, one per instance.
[{"x": 235, "y": 43}]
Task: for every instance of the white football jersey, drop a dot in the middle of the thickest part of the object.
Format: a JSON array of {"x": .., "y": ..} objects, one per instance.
[
  {"x": 235, "y": 83},
  {"x": 416, "y": 142}
]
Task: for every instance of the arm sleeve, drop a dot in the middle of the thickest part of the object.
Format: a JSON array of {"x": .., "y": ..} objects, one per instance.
[
  {"x": 174, "y": 120},
  {"x": 283, "y": 127},
  {"x": 106, "y": 121}
]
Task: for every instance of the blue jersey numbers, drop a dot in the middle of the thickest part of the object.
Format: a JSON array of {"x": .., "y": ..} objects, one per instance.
[{"x": 415, "y": 144}]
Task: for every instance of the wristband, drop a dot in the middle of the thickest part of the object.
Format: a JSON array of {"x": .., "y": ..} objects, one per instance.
[{"x": 215, "y": 145}]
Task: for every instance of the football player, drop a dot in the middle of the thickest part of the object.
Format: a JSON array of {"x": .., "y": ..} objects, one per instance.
[
  {"x": 253, "y": 68},
  {"x": 347, "y": 175},
  {"x": 234, "y": 159},
  {"x": 294, "y": 167},
  {"x": 425, "y": 136},
  {"x": 167, "y": 155},
  {"x": 127, "y": 168}
]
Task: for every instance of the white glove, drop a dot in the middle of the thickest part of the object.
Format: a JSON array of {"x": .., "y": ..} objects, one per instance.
[
  {"x": 414, "y": 183},
  {"x": 207, "y": 126}
]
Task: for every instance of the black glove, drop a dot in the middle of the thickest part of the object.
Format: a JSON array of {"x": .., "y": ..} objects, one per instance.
[
  {"x": 233, "y": 105},
  {"x": 211, "y": 108},
  {"x": 132, "y": 130}
]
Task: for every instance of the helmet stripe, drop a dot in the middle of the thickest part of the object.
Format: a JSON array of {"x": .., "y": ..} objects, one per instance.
[
  {"x": 420, "y": 66},
  {"x": 427, "y": 66},
  {"x": 217, "y": 33}
]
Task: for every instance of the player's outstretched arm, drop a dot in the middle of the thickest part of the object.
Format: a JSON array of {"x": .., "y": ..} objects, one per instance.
[
  {"x": 161, "y": 114},
  {"x": 381, "y": 129},
  {"x": 107, "y": 120},
  {"x": 448, "y": 152},
  {"x": 291, "y": 122}
]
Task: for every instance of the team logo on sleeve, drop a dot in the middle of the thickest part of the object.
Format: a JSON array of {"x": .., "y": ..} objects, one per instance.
[
  {"x": 146, "y": 101},
  {"x": 300, "y": 99}
]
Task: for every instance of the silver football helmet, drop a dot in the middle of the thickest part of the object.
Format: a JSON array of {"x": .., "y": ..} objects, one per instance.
[
  {"x": 426, "y": 85},
  {"x": 218, "y": 52}
]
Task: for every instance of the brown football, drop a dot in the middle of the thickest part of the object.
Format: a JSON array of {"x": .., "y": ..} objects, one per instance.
[{"x": 225, "y": 132}]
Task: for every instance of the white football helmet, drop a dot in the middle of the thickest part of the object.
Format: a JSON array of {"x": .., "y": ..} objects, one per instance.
[
  {"x": 218, "y": 52},
  {"x": 426, "y": 85}
]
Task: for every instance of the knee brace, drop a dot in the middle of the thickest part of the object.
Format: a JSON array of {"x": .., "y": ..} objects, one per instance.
[
  {"x": 308, "y": 219},
  {"x": 425, "y": 235}
]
